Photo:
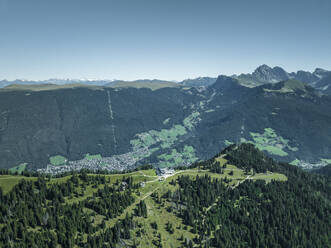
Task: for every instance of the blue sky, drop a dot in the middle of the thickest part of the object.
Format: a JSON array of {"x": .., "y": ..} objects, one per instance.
[{"x": 165, "y": 39}]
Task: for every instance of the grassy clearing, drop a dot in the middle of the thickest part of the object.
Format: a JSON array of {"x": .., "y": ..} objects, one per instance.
[
  {"x": 92, "y": 157},
  {"x": 161, "y": 217},
  {"x": 164, "y": 138},
  {"x": 239, "y": 174},
  {"x": 270, "y": 142},
  {"x": 269, "y": 176},
  {"x": 326, "y": 160},
  {"x": 228, "y": 143},
  {"x": 186, "y": 156},
  {"x": 190, "y": 121},
  {"x": 19, "y": 169},
  {"x": 7, "y": 182},
  {"x": 57, "y": 160},
  {"x": 295, "y": 162},
  {"x": 59, "y": 180},
  {"x": 272, "y": 150},
  {"x": 221, "y": 160},
  {"x": 150, "y": 172},
  {"x": 137, "y": 176}
]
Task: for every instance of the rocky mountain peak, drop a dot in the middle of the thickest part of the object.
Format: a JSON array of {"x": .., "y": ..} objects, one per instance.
[
  {"x": 264, "y": 73},
  {"x": 263, "y": 69},
  {"x": 320, "y": 73}
]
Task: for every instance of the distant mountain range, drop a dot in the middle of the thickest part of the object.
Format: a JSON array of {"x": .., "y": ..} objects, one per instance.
[
  {"x": 199, "y": 82},
  {"x": 319, "y": 79},
  {"x": 265, "y": 75},
  {"x": 143, "y": 83},
  {"x": 5, "y": 83}
]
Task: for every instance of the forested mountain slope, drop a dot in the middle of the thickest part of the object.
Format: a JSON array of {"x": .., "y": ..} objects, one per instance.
[
  {"x": 35, "y": 125},
  {"x": 93, "y": 127},
  {"x": 239, "y": 198}
]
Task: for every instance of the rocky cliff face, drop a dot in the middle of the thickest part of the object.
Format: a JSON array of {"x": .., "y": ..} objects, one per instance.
[{"x": 267, "y": 74}]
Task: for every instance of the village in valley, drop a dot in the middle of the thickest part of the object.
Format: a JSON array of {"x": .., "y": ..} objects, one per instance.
[{"x": 120, "y": 162}]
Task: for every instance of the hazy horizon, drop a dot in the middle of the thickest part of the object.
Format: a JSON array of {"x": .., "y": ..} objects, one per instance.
[
  {"x": 170, "y": 80},
  {"x": 154, "y": 39}
]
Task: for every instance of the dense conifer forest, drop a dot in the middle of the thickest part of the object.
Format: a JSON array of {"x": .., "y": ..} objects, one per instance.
[
  {"x": 206, "y": 205},
  {"x": 36, "y": 214}
]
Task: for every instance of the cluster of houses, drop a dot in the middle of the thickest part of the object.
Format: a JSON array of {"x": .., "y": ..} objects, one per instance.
[
  {"x": 164, "y": 172},
  {"x": 120, "y": 162}
]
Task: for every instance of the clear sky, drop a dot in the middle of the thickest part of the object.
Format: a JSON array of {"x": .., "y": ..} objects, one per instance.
[{"x": 165, "y": 39}]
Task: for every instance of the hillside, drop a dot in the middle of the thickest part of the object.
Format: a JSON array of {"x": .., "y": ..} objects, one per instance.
[
  {"x": 277, "y": 118},
  {"x": 62, "y": 128},
  {"x": 73, "y": 122},
  {"x": 45, "y": 87},
  {"x": 209, "y": 204},
  {"x": 153, "y": 84},
  {"x": 54, "y": 81},
  {"x": 199, "y": 82}
]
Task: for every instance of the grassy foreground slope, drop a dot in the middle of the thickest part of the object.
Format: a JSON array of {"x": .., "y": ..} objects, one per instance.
[
  {"x": 189, "y": 208},
  {"x": 7, "y": 182}
]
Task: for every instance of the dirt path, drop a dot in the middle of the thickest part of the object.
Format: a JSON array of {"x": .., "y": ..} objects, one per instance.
[
  {"x": 157, "y": 178},
  {"x": 142, "y": 173},
  {"x": 132, "y": 206},
  {"x": 143, "y": 197},
  {"x": 237, "y": 184}
]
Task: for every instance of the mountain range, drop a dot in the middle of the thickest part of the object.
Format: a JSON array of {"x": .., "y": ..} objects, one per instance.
[
  {"x": 4, "y": 83},
  {"x": 319, "y": 79},
  {"x": 265, "y": 75},
  {"x": 77, "y": 126}
]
